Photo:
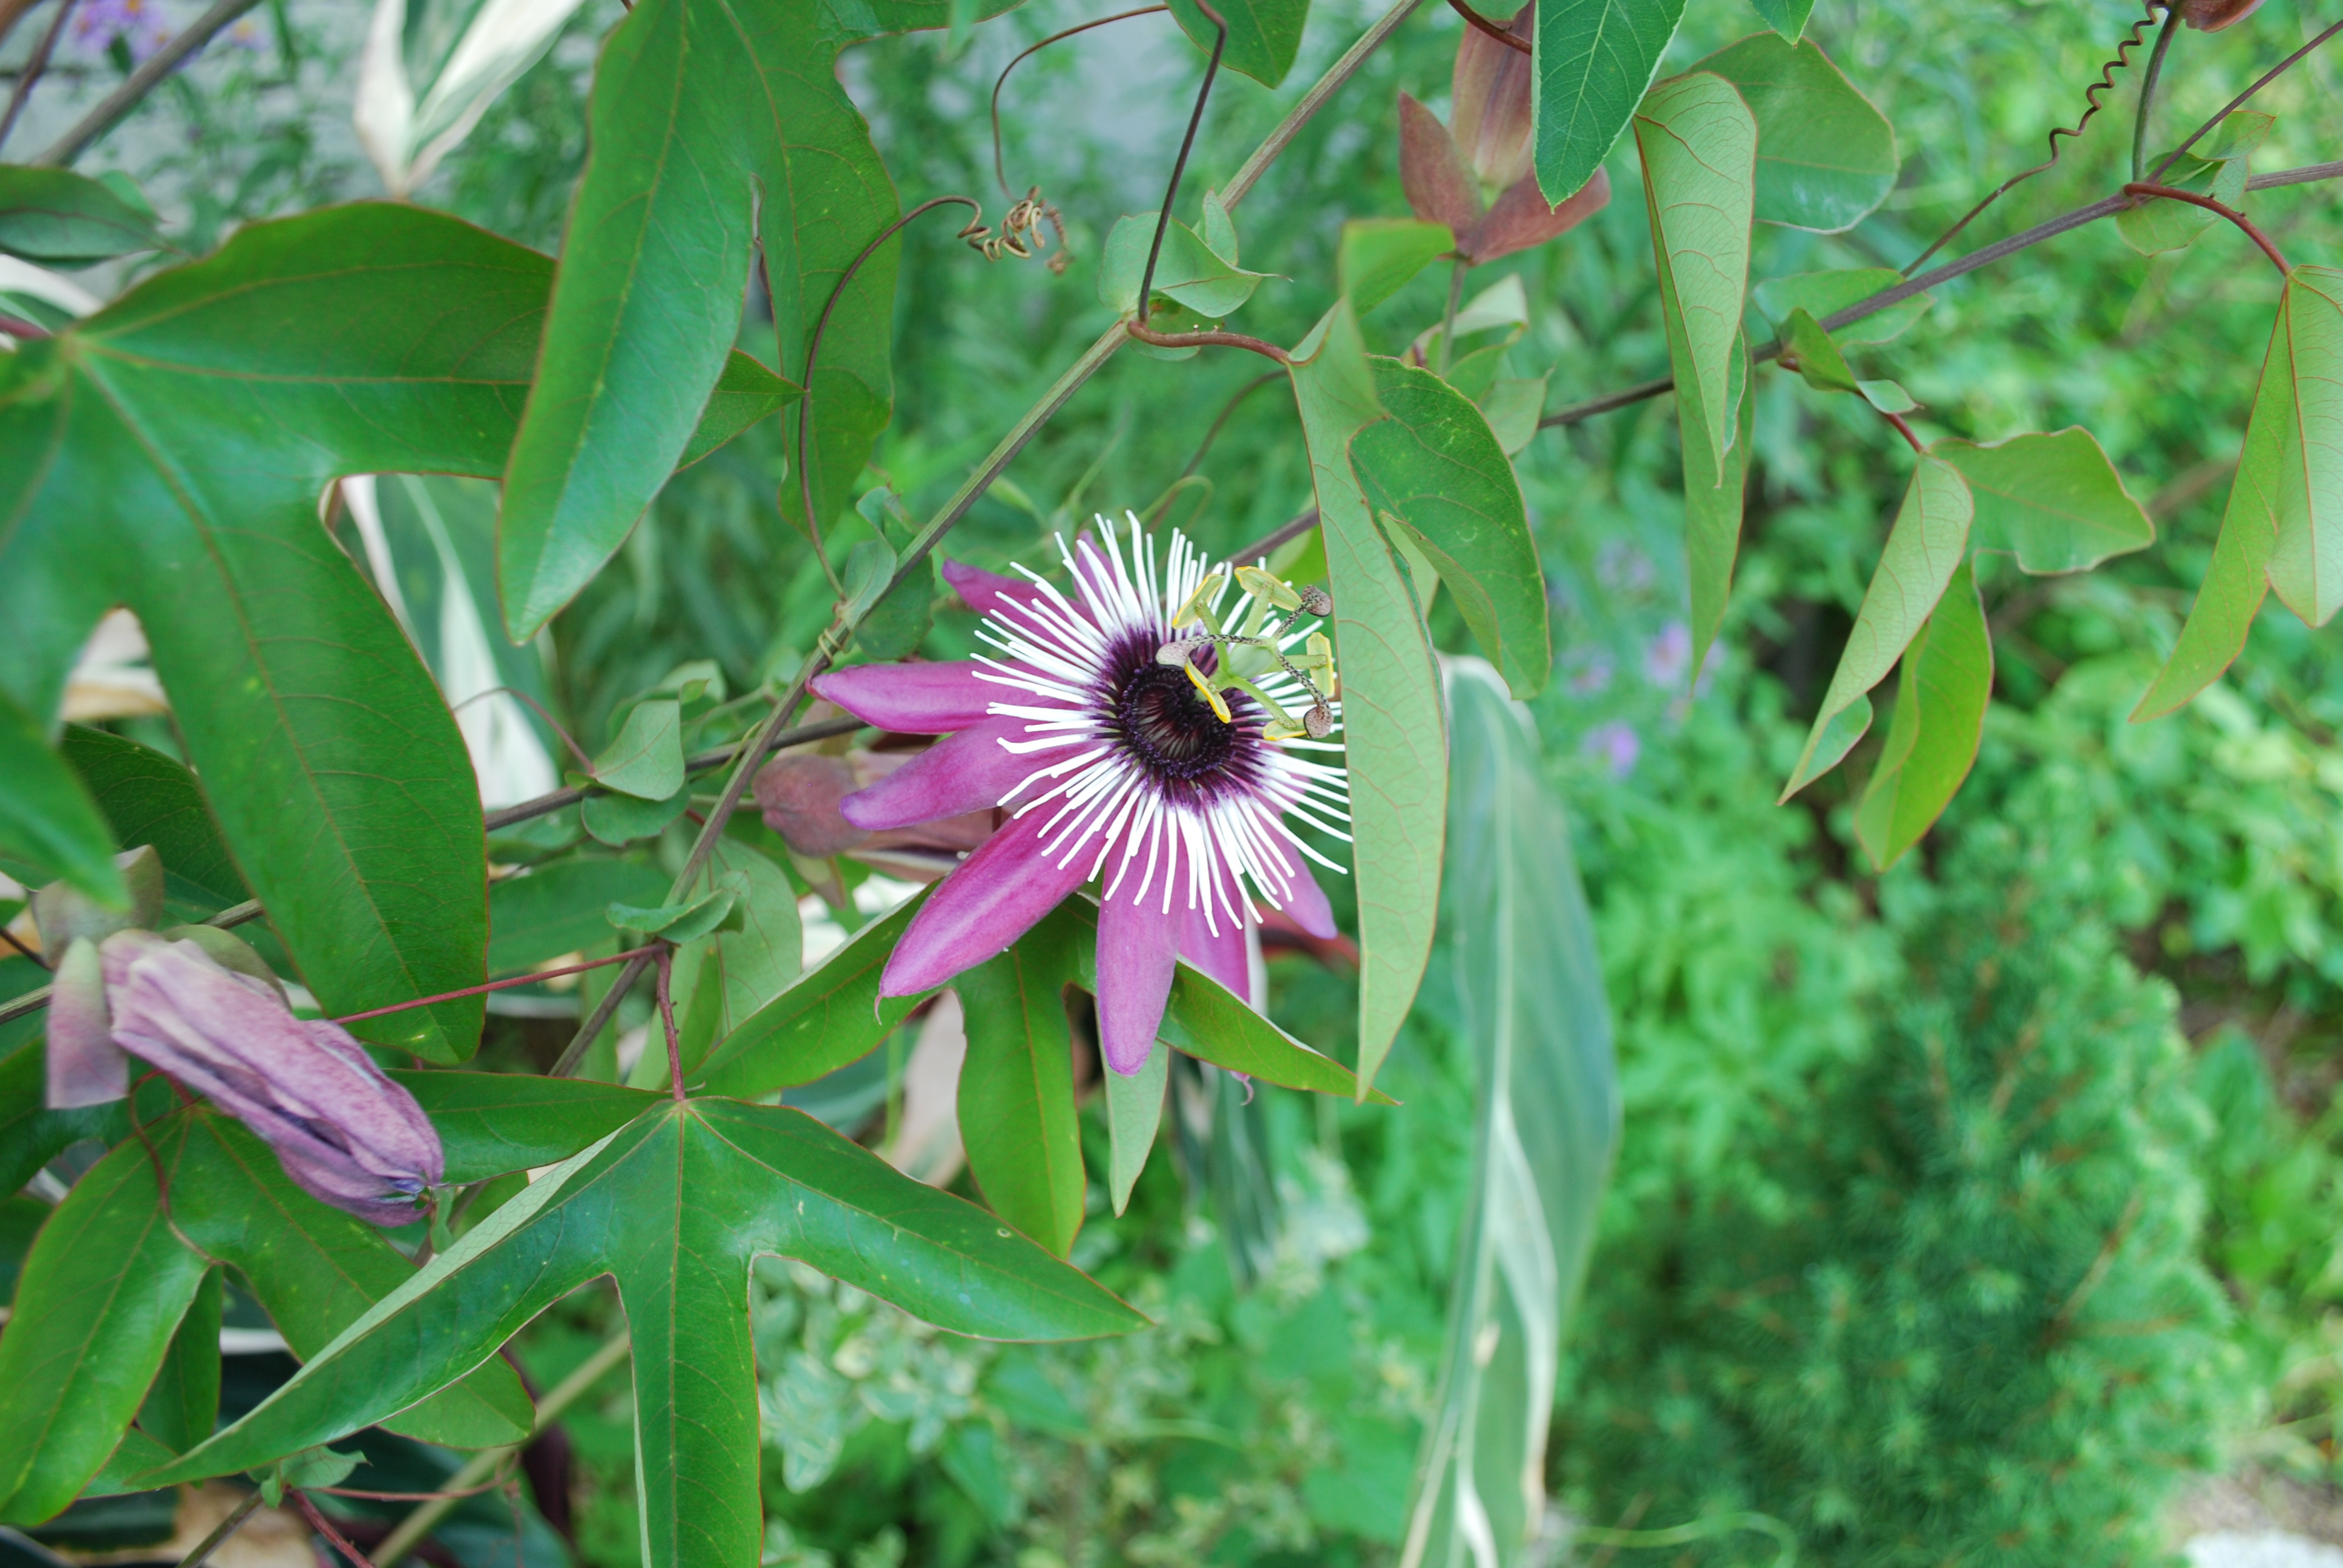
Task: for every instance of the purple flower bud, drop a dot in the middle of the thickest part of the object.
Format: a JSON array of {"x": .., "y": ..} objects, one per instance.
[{"x": 345, "y": 1133}]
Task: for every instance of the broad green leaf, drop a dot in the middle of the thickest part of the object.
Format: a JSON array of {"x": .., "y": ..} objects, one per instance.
[
  {"x": 677, "y": 1205},
  {"x": 2054, "y": 500},
  {"x": 134, "y": 1455},
  {"x": 1787, "y": 17},
  {"x": 31, "y": 1134},
  {"x": 113, "y": 1272},
  {"x": 1929, "y": 540},
  {"x": 1529, "y": 988},
  {"x": 149, "y": 798},
  {"x": 1393, "y": 726},
  {"x": 1827, "y": 750},
  {"x": 1593, "y": 61},
  {"x": 46, "y": 818},
  {"x": 60, "y": 218},
  {"x": 1017, "y": 1116},
  {"x": 183, "y": 1406},
  {"x": 1513, "y": 405},
  {"x": 1932, "y": 735},
  {"x": 1262, "y": 34},
  {"x": 1825, "y": 157},
  {"x": 680, "y": 923},
  {"x": 1887, "y": 396},
  {"x": 2303, "y": 497},
  {"x": 1713, "y": 513},
  {"x": 1187, "y": 272},
  {"x": 1436, "y": 467},
  {"x": 870, "y": 567},
  {"x": 490, "y": 1123},
  {"x": 169, "y": 451},
  {"x": 618, "y": 820},
  {"x": 2215, "y": 167},
  {"x": 745, "y": 393},
  {"x": 646, "y": 759},
  {"x": 1135, "y": 1112},
  {"x": 101, "y": 1293},
  {"x": 1699, "y": 145},
  {"x": 1218, "y": 229},
  {"x": 711, "y": 130},
  {"x": 555, "y": 910},
  {"x": 1380, "y": 256},
  {"x": 2286, "y": 499},
  {"x": 833, "y": 1016},
  {"x": 1824, "y": 294}
]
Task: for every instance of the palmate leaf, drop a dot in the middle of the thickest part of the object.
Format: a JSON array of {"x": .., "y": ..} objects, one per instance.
[
  {"x": 46, "y": 821},
  {"x": 1393, "y": 725},
  {"x": 1530, "y": 989},
  {"x": 117, "y": 1266},
  {"x": 169, "y": 452},
  {"x": 675, "y": 1205},
  {"x": 714, "y": 125}
]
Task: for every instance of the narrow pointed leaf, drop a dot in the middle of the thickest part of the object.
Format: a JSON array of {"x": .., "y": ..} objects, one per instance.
[
  {"x": 1530, "y": 990},
  {"x": 183, "y": 1406},
  {"x": 1825, "y": 157},
  {"x": 58, "y": 217},
  {"x": 1713, "y": 513},
  {"x": 1699, "y": 148},
  {"x": 1016, "y": 1107},
  {"x": 2052, "y": 500},
  {"x": 1923, "y": 548},
  {"x": 1435, "y": 467},
  {"x": 2286, "y": 498},
  {"x": 1134, "y": 1113},
  {"x": 1393, "y": 725},
  {"x": 1593, "y": 60},
  {"x": 708, "y": 124},
  {"x": 1933, "y": 735},
  {"x": 830, "y": 1016},
  {"x": 1787, "y": 17},
  {"x": 2302, "y": 493},
  {"x": 1207, "y": 1020}
]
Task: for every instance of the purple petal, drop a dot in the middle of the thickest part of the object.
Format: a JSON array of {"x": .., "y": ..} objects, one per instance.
[
  {"x": 1309, "y": 909},
  {"x": 969, "y": 772},
  {"x": 912, "y": 698},
  {"x": 991, "y": 901},
  {"x": 981, "y": 590},
  {"x": 1137, "y": 947},
  {"x": 85, "y": 1066}
]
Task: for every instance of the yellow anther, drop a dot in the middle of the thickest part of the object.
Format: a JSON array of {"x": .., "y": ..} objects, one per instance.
[
  {"x": 1219, "y": 705},
  {"x": 1197, "y": 606},
  {"x": 1265, "y": 588}
]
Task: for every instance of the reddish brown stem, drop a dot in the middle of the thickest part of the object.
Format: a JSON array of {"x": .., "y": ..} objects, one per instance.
[
  {"x": 666, "y": 1019},
  {"x": 530, "y": 978},
  {"x": 1187, "y": 144},
  {"x": 2171, "y": 193},
  {"x": 1500, "y": 33},
  {"x": 325, "y": 1527},
  {"x": 1904, "y": 430},
  {"x": 1214, "y": 339}
]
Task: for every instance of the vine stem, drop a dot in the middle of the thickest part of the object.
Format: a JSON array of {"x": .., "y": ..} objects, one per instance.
[
  {"x": 1187, "y": 144},
  {"x": 1886, "y": 297},
  {"x": 2169, "y": 193},
  {"x": 325, "y": 1527},
  {"x": 1249, "y": 173},
  {"x": 1212, "y": 339},
  {"x": 665, "y": 957},
  {"x": 2147, "y": 91},
  {"x": 125, "y": 97},
  {"x": 2263, "y": 80},
  {"x": 1904, "y": 430},
  {"x": 221, "y": 1532},
  {"x": 35, "y": 64},
  {"x": 532, "y": 978},
  {"x": 1502, "y": 35},
  {"x": 813, "y": 357}
]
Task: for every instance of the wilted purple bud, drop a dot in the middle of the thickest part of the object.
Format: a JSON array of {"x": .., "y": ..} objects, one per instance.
[
  {"x": 1489, "y": 98},
  {"x": 343, "y": 1130}
]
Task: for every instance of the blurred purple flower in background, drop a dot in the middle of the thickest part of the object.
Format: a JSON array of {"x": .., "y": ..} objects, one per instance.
[
  {"x": 1615, "y": 745},
  {"x": 1593, "y": 675},
  {"x": 1667, "y": 655},
  {"x": 139, "y": 24}
]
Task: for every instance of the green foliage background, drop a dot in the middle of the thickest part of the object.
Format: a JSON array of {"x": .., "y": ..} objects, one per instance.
[{"x": 2054, "y": 1097}]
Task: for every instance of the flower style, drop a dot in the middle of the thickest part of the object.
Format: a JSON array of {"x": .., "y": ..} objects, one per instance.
[
  {"x": 343, "y": 1130},
  {"x": 1145, "y": 736},
  {"x": 1445, "y": 169}
]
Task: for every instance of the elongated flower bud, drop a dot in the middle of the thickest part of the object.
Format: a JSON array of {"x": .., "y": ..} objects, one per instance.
[
  {"x": 1488, "y": 112},
  {"x": 344, "y": 1132}
]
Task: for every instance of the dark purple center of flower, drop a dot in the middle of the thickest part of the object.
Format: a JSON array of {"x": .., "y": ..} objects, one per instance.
[{"x": 1168, "y": 724}]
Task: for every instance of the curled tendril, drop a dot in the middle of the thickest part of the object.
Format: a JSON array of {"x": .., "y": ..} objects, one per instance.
[{"x": 2105, "y": 83}]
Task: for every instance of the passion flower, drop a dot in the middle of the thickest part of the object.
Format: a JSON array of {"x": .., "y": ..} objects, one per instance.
[{"x": 1147, "y": 732}]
